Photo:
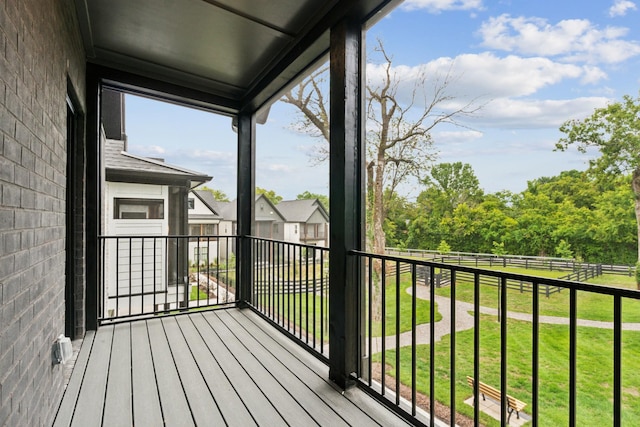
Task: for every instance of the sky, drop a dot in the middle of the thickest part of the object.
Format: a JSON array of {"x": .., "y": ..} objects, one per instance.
[{"x": 529, "y": 65}]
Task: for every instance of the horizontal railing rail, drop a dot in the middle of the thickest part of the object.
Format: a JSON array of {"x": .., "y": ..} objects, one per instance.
[
  {"x": 420, "y": 343},
  {"x": 153, "y": 275},
  {"x": 290, "y": 288},
  {"x": 443, "y": 278},
  {"x": 522, "y": 261}
]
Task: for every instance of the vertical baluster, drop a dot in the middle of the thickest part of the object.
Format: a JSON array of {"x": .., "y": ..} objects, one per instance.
[
  {"x": 452, "y": 350},
  {"x": 573, "y": 315},
  {"x": 383, "y": 317},
  {"x": 617, "y": 360},
  {"x": 476, "y": 348},
  {"x": 397, "y": 309},
  {"x": 414, "y": 296},
  {"x": 535, "y": 354},
  {"x": 503, "y": 350},
  {"x": 432, "y": 347}
]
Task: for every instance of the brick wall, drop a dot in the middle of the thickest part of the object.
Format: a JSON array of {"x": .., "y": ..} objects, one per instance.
[{"x": 40, "y": 51}]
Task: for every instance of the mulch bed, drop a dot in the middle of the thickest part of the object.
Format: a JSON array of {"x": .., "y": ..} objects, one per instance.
[{"x": 442, "y": 412}]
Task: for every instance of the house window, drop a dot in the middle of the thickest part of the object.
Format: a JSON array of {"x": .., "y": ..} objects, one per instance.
[
  {"x": 295, "y": 229},
  {"x": 209, "y": 229},
  {"x": 138, "y": 208},
  {"x": 201, "y": 255},
  {"x": 191, "y": 203},
  {"x": 203, "y": 229}
]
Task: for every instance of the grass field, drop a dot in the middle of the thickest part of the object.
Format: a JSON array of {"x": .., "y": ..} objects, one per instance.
[
  {"x": 590, "y": 306},
  {"x": 594, "y": 371}
]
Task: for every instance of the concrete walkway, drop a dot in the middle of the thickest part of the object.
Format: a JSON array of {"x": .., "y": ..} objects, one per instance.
[{"x": 464, "y": 321}]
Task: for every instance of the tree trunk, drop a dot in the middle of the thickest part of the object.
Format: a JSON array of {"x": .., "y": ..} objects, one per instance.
[
  {"x": 635, "y": 184},
  {"x": 379, "y": 241}
]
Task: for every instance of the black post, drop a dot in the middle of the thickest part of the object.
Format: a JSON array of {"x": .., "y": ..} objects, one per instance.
[
  {"x": 93, "y": 191},
  {"x": 346, "y": 159},
  {"x": 246, "y": 206}
]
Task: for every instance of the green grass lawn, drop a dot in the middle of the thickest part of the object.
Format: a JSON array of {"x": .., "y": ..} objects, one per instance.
[
  {"x": 423, "y": 309},
  {"x": 197, "y": 294},
  {"x": 594, "y": 371},
  {"x": 590, "y": 306},
  {"x": 301, "y": 309}
]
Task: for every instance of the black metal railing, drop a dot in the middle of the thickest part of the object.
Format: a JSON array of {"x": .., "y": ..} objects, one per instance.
[
  {"x": 520, "y": 261},
  {"x": 153, "y": 275},
  {"x": 290, "y": 287},
  {"x": 569, "y": 358}
]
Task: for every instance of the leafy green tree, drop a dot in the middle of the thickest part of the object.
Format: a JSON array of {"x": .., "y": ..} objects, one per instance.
[
  {"x": 614, "y": 131},
  {"x": 572, "y": 185},
  {"x": 310, "y": 196},
  {"x": 456, "y": 182},
  {"x": 400, "y": 214},
  {"x": 444, "y": 247},
  {"x": 218, "y": 195},
  {"x": 563, "y": 249},
  {"x": 269, "y": 194},
  {"x": 498, "y": 248},
  {"x": 613, "y": 226}
]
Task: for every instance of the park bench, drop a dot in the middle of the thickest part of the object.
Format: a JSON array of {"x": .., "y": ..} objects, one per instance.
[{"x": 513, "y": 404}]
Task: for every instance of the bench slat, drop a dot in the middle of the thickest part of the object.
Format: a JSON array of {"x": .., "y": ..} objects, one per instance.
[{"x": 495, "y": 394}]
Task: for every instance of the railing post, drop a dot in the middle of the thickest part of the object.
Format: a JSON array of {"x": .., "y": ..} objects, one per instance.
[
  {"x": 93, "y": 191},
  {"x": 346, "y": 158},
  {"x": 246, "y": 206}
]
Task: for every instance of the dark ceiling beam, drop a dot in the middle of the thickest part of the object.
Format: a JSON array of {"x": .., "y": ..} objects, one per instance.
[{"x": 161, "y": 90}]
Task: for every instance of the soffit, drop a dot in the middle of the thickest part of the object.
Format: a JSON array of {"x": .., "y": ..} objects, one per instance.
[{"x": 241, "y": 51}]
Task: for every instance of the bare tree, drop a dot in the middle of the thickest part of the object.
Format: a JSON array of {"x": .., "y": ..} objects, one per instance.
[{"x": 399, "y": 142}]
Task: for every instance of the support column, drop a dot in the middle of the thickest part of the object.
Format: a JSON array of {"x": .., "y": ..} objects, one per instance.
[
  {"x": 346, "y": 193},
  {"x": 94, "y": 202},
  {"x": 246, "y": 205}
]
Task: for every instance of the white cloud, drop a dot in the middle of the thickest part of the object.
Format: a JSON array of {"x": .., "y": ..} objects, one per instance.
[
  {"x": 571, "y": 39},
  {"x": 486, "y": 75},
  {"x": 507, "y": 113},
  {"x": 621, "y": 7},
  {"x": 437, "y": 6},
  {"x": 279, "y": 168},
  {"x": 457, "y": 137},
  {"x": 209, "y": 155},
  {"x": 592, "y": 75},
  {"x": 146, "y": 150}
]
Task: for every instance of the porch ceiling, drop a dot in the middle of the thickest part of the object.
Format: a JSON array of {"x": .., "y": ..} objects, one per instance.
[{"x": 241, "y": 51}]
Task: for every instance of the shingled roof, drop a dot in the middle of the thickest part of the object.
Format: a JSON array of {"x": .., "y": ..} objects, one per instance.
[
  {"x": 126, "y": 167},
  {"x": 301, "y": 210}
]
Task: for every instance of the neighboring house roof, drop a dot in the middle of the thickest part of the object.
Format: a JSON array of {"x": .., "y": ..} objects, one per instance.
[
  {"x": 301, "y": 210},
  {"x": 206, "y": 197},
  {"x": 226, "y": 210},
  {"x": 126, "y": 167},
  {"x": 229, "y": 210}
]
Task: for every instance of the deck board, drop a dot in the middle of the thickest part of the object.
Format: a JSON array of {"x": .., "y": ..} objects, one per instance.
[
  {"x": 118, "y": 403},
  {"x": 68, "y": 405},
  {"x": 317, "y": 408},
  {"x": 288, "y": 407},
  {"x": 254, "y": 399},
  {"x": 146, "y": 402},
  {"x": 92, "y": 393},
  {"x": 173, "y": 401},
  {"x": 224, "y": 367},
  {"x": 231, "y": 406},
  {"x": 203, "y": 406},
  {"x": 314, "y": 373}
]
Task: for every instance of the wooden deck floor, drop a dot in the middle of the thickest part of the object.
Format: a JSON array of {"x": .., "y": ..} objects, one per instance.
[{"x": 224, "y": 367}]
